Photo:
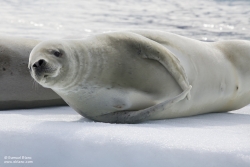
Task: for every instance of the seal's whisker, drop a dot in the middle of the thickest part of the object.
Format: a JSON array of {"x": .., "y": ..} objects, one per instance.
[{"x": 33, "y": 83}]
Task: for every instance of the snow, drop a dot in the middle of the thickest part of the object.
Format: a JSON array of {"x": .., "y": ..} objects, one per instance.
[{"x": 58, "y": 136}]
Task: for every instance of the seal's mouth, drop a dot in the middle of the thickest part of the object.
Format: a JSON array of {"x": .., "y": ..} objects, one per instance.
[
  {"x": 42, "y": 70},
  {"x": 43, "y": 74}
]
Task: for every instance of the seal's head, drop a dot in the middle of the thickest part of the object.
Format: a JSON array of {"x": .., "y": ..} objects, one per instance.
[{"x": 48, "y": 63}]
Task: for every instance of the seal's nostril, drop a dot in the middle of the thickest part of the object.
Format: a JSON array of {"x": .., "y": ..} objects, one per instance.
[
  {"x": 34, "y": 65},
  {"x": 38, "y": 63}
]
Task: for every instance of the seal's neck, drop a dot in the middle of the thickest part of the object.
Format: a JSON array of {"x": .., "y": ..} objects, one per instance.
[{"x": 84, "y": 66}]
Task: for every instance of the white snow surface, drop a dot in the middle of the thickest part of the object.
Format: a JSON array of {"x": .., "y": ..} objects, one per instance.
[{"x": 58, "y": 136}]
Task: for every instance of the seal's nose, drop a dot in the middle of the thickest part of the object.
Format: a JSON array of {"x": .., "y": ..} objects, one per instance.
[{"x": 39, "y": 63}]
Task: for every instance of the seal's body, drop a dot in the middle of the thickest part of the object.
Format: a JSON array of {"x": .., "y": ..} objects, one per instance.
[
  {"x": 17, "y": 88},
  {"x": 132, "y": 76}
]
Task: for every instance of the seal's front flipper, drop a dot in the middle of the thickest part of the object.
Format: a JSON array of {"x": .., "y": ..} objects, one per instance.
[
  {"x": 173, "y": 65},
  {"x": 150, "y": 49},
  {"x": 140, "y": 115}
]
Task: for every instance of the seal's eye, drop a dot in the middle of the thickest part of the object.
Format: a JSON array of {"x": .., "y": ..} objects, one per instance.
[{"x": 57, "y": 54}]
